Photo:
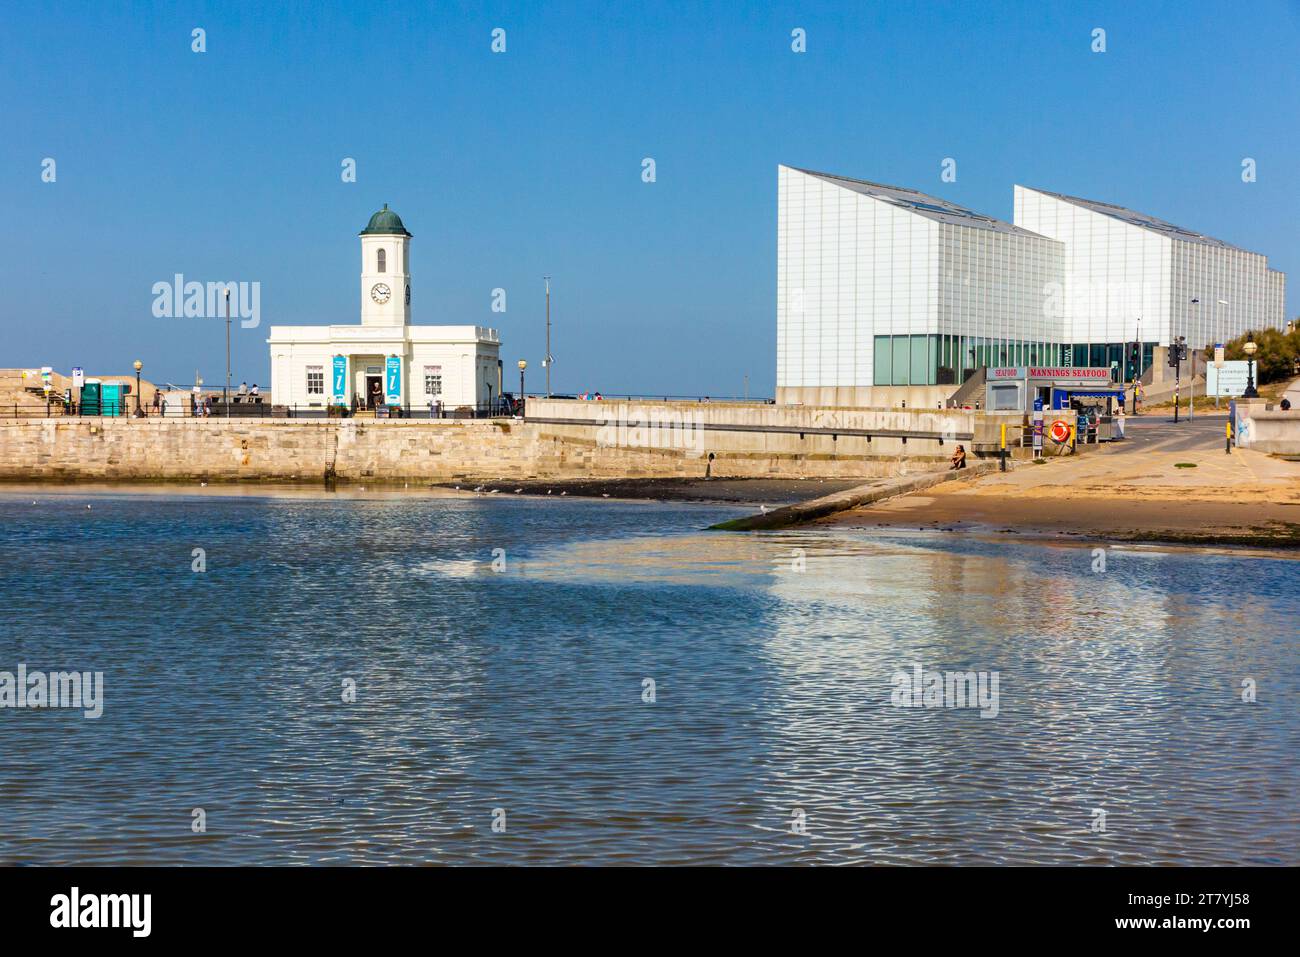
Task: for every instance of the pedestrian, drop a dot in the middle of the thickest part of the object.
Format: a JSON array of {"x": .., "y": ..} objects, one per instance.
[
  {"x": 254, "y": 393},
  {"x": 194, "y": 404},
  {"x": 157, "y": 399},
  {"x": 163, "y": 406},
  {"x": 958, "y": 459}
]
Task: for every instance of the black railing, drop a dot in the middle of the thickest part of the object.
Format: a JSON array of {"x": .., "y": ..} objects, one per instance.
[{"x": 257, "y": 408}]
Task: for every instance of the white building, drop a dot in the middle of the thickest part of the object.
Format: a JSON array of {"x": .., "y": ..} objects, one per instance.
[
  {"x": 385, "y": 360},
  {"x": 887, "y": 295},
  {"x": 1130, "y": 277}
]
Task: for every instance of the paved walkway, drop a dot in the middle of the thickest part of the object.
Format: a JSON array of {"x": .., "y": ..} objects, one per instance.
[
  {"x": 1145, "y": 465},
  {"x": 1293, "y": 393}
]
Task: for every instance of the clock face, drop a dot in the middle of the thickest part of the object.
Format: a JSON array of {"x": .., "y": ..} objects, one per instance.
[{"x": 380, "y": 292}]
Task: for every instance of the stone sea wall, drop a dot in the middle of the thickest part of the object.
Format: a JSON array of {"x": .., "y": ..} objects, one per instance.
[{"x": 412, "y": 450}]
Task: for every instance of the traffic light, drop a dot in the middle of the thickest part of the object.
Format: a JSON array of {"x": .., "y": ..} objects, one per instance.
[{"x": 1178, "y": 351}]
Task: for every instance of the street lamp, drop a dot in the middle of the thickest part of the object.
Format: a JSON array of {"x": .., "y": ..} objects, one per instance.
[
  {"x": 523, "y": 364},
  {"x": 1249, "y": 348},
  {"x": 225, "y": 392},
  {"x": 1218, "y": 344},
  {"x": 138, "y": 366}
]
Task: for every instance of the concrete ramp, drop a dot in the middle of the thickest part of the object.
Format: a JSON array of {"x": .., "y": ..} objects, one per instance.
[{"x": 873, "y": 491}]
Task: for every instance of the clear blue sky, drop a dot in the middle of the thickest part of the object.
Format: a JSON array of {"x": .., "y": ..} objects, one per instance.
[{"x": 225, "y": 165}]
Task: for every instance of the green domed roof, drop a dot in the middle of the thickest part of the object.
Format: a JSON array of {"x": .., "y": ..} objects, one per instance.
[{"x": 385, "y": 223}]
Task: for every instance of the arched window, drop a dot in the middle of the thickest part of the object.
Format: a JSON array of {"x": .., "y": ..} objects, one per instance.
[{"x": 383, "y": 260}]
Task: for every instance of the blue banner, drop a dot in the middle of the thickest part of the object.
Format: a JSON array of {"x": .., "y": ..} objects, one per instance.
[
  {"x": 393, "y": 380},
  {"x": 340, "y": 380}
]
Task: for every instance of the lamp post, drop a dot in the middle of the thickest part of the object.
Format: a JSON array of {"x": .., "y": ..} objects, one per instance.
[
  {"x": 550, "y": 359},
  {"x": 523, "y": 364},
  {"x": 138, "y": 366},
  {"x": 225, "y": 392},
  {"x": 1249, "y": 348},
  {"x": 1218, "y": 343},
  {"x": 1137, "y": 359}
]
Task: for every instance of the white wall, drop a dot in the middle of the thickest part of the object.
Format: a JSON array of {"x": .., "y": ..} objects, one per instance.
[
  {"x": 1117, "y": 272},
  {"x": 991, "y": 284},
  {"x": 848, "y": 268},
  {"x": 1114, "y": 272}
]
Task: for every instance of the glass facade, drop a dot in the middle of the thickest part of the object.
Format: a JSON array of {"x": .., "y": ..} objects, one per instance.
[{"x": 948, "y": 360}]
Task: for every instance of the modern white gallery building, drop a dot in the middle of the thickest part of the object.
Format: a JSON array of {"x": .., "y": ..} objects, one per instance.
[
  {"x": 888, "y": 295},
  {"x": 385, "y": 361}
]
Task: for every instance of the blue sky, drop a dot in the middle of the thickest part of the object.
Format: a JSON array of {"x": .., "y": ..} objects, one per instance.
[{"x": 225, "y": 165}]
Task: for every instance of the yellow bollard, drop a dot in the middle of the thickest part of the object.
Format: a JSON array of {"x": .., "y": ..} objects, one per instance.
[{"x": 1227, "y": 437}]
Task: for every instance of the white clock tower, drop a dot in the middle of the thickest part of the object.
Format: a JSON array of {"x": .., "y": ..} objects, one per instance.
[{"x": 385, "y": 271}]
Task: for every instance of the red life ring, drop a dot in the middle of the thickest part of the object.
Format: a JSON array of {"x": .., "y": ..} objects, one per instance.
[{"x": 1060, "y": 431}]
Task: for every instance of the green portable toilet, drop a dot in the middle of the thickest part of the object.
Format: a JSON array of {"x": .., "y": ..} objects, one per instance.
[{"x": 90, "y": 397}]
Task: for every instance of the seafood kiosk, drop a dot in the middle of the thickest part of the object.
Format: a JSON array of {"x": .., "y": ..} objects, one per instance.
[{"x": 1089, "y": 391}]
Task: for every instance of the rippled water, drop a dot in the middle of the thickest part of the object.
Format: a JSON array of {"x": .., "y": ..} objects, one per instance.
[{"x": 521, "y": 689}]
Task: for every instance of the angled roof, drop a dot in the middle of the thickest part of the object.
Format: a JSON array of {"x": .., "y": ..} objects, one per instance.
[
  {"x": 931, "y": 207},
  {"x": 1143, "y": 220}
]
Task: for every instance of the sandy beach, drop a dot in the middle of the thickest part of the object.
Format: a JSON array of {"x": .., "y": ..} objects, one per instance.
[{"x": 1166, "y": 483}]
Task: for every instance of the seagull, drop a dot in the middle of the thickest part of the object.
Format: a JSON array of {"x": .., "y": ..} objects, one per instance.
[
  {"x": 564, "y": 493},
  {"x": 604, "y": 495},
  {"x": 763, "y": 509},
  {"x": 518, "y": 490},
  {"x": 548, "y": 492}
]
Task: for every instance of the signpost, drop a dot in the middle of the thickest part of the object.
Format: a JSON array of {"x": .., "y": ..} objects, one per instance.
[{"x": 1227, "y": 378}]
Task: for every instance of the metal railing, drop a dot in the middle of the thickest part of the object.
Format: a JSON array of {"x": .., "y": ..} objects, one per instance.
[{"x": 209, "y": 408}]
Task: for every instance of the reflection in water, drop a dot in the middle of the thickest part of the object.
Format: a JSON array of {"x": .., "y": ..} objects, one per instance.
[{"x": 519, "y": 686}]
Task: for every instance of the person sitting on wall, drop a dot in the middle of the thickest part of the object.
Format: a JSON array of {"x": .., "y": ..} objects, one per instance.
[
  {"x": 958, "y": 459},
  {"x": 1286, "y": 404}
]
